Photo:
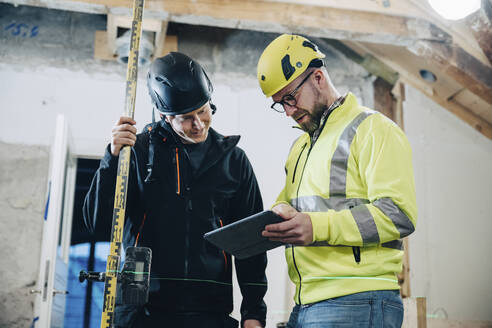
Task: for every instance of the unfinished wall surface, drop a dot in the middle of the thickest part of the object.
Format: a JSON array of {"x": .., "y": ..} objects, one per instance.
[
  {"x": 51, "y": 70},
  {"x": 23, "y": 178},
  {"x": 449, "y": 252}
]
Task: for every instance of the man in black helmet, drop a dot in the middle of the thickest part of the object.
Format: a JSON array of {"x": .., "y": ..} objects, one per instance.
[{"x": 185, "y": 180}]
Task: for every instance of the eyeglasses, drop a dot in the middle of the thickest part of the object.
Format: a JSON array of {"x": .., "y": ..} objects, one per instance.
[{"x": 288, "y": 99}]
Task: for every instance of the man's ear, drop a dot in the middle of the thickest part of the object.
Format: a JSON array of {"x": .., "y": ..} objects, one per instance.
[
  {"x": 166, "y": 118},
  {"x": 318, "y": 76},
  {"x": 319, "y": 79}
]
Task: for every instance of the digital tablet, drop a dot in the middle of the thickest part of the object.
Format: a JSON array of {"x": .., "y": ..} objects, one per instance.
[{"x": 243, "y": 238}]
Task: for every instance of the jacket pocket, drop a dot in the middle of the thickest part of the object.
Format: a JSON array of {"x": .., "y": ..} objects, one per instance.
[{"x": 356, "y": 251}]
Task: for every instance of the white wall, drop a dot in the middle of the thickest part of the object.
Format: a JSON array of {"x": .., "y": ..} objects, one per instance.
[
  {"x": 450, "y": 259},
  {"x": 31, "y": 99},
  {"x": 23, "y": 181}
]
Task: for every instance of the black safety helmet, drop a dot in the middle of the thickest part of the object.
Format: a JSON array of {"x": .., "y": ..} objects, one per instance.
[{"x": 178, "y": 84}]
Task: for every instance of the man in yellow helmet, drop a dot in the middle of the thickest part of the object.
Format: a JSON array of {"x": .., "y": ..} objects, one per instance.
[{"x": 348, "y": 199}]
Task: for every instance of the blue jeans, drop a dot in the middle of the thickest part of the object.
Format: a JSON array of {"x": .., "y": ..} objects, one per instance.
[{"x": 375, "y": 309}]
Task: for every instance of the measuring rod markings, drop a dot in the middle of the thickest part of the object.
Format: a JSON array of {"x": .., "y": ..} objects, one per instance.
[{"x": 121, "y": 188}]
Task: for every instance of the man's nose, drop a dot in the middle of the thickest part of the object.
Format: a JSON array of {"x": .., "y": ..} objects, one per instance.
[
  {"x": 197, "y": 122},
  {"x": 289, "y": 110}
]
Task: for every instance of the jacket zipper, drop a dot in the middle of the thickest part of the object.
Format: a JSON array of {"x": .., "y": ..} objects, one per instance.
[
  {"x": 178, "y": 182},
  {"x": 313, "y": 141},
  {"x": 298, "y": 158},
  {"x": 189, "y": 206},
  {"x": 140, "y": 229},
  {"x": 297, "y": 195},
  {"x": 223, "y": 252}
]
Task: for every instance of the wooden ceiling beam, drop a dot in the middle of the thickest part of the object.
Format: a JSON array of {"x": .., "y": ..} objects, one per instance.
[
  {"x": 368, "y": 61},
  {"x": 458, "y": 64},
  {"x": 148, "y": 24},
  {"x": 389, "y": 7},
  {"x": 160, "y": 39},
  {"x": 480, "y": 23},
  {"x": 476, "y": 121},
  {"x": 277, "y": 17}
]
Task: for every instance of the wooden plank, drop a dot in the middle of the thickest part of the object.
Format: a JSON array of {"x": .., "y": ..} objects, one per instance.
[
  {"x": 398, "y": 93},
  {"x": 276, "y": 17},
  {"x": 383, "y": 99},
  {"x": 170, "y": 44},
  {"x": 160, "y": 39},
  {"x": 480, "y": 23},
  {"x": 148, "y": 24},
  {"x": 474, "y": 120},
  {"x": 466, "y": 98},
  {"x": 458, "y": 64},
  {"x": 324, "y": 22},
  {"x": 101, "y": 47},
  {"x": 111, "y": 33},
  {"x": 102, "y": 51},
  {"x": 415, "y": 312},
  {"x": 421, "y": 312},
  {"x": 393, "y": 7},
  {"x": 404, "y": 275}
]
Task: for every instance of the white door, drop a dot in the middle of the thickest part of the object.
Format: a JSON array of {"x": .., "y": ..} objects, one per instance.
[{"x": 52, "y": 280}]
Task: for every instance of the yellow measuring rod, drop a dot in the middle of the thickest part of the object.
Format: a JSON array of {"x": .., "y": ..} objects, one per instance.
[{"x": 120, "y": 194}]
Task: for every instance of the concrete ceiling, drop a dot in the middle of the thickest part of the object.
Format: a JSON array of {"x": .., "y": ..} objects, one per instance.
[{"x": 393, "y": 39}]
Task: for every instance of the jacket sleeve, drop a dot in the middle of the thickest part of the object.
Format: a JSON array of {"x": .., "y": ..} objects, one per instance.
[
  {"x": 250, "y": 271},
  {"x": 383, "y": 159},
  {"x": 99, "y": 201}
]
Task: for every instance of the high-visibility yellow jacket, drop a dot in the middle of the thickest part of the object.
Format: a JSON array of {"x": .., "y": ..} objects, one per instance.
[{"x": 356, "y": 183}]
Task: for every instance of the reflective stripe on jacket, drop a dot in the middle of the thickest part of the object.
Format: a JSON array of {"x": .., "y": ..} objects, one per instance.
[{"x": 356, "y": 183}]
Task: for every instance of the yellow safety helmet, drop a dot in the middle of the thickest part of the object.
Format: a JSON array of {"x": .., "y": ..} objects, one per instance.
[{"x": 283, "y": 60}]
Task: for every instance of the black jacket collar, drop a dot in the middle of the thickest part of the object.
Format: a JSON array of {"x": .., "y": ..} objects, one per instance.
[{"x": 219, "y": 147}]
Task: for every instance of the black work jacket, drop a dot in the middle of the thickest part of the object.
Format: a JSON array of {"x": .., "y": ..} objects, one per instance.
[{"x": 188, "y": 274}]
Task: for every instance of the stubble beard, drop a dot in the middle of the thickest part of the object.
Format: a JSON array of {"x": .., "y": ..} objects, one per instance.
[{"x": 312, "y": 124}]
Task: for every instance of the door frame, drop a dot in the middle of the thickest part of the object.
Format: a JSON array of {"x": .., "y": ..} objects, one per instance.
[{"x": 57, "y": 229}]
